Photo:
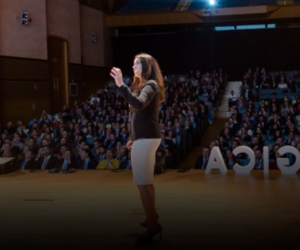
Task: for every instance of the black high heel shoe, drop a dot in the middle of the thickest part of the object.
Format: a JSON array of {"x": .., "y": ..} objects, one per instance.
[
  {"x": 147, "y": 237},
  {"x": 145, "y": 224}
]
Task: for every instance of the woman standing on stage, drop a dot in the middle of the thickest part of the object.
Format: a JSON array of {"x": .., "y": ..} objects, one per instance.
[{"x": 148, "y": 93}]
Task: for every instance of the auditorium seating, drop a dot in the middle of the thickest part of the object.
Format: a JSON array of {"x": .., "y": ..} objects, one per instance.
[
  {"x": 60, "y": 124},
  {"x": 266, "y": 94}
]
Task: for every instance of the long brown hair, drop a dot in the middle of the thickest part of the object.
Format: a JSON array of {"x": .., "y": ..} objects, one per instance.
[{"x": 150, "y": 71}]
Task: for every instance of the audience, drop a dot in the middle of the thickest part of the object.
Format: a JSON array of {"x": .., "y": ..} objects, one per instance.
[
  {"x": 93, "y": 134},
  {"x": 261, "y": 117}
]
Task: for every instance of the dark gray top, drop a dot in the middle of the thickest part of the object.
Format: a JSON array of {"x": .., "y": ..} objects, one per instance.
[{"x": 144, "y": 106}]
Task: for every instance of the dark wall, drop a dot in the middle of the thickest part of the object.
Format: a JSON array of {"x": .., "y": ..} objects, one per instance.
[
  {"x": 89, "y": 79},
  {"x": 235, "y": 51},
  {"x": 25, "y": 87}
]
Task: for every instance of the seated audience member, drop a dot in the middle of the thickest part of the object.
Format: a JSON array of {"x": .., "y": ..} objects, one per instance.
[
  {"x": 179, "y": 132},
  {"x": 31, "y": 144},
  {"x": 50, "y": 140},
  {"x": 171, "y": 136},
  {"x": 9, "y": 129},
  {"x": 63, "y": 142},
  {"x": 16, "y": 143},
  {"x": 109, "y": 162},
  {"x": 169, "y": 126},
  {"x": 248, "y": 94},
  {"x": 188, "y": 128},
  {"x": 169, "y": 160},
  {"x": 121, "y": 151},
  {"x": 112, "y": 141},
  {"x": 233, "y": 127},
  {"x": 125, "y": 162},
  {"x": 279, "y": 141},
  {"x": 237, "y": 115},
  {"x": 290, "y": 140},
  {"x": 106, "y": 141},
  {"x": 244, "y": 135},
  {"x": 272, "y": 152},
  {"x": 48, "y": 161},
  {"x": 96, "y": 149},
  {"x": 222, "y": 143},
  {"x": 240, "y": 104},
  {"x": 67, "y": 161},
  {"x": 123, "y": 136},
  {"x": 282, "y": 85},
  {"x": 273, "y": 164},
  {"x": 230, "y": 159},
  {"x": 40, "y": 154},
  {"x": 6, "y": 151},
  {"x": 258, "y": 159},
  {"x": 101, "y": 154},
  {"x": 62, "y": 151},
  {"x": 232, "y": 100},
  {"x": 86, "y": 161},
  {"x": 166, "y": 143},
  {"x": 28, "y": 163},
  {"x": 202, "y": 160}
]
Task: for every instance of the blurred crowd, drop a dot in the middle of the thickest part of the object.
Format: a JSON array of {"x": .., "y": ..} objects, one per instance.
[
  {"x": 266, "y": 113},
  {"x": 93, "y": 134}
]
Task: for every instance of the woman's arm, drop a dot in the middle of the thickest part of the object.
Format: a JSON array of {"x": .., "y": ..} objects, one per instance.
[{"x": 149, "y": 90}]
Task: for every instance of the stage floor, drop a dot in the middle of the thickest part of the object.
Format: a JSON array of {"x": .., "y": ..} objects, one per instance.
[{"x": 94, "y": 209}]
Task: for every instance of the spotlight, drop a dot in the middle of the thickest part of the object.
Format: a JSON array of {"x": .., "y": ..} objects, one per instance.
[{"x": 212, "y": 2}]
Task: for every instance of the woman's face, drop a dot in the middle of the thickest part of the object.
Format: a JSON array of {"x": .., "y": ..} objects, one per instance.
[
  {"x": 228, "y": 154},
  {"x": 30, "y": 142},
  {"x": 137, "y": 68},
  {"x": 25, "y": 149}
]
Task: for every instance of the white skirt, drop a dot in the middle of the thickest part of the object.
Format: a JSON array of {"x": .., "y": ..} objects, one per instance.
[{"x": 143, "y": 156}]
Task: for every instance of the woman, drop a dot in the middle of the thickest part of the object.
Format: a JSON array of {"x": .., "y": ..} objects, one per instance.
[
  {"x": 148, "y": 94},
  {"x": 171, "y": 136},
  {"x": 273, "y": 164},
  {"x": 244, "y": 135},
  {"x": 230, "y": 159}
]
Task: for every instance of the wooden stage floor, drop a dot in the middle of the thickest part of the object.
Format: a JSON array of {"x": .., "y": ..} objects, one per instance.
[{"x": 93, "y": 209}]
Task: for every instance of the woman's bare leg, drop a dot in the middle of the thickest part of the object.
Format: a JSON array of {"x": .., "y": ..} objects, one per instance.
[{"x": 147, "y": 194}]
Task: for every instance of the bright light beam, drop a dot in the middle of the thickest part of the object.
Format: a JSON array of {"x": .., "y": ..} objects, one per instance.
[{"x": 212, "y": 2}]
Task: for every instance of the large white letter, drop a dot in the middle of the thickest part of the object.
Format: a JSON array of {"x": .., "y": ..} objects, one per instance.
[
  {"x": 216, "y": 161},
  {"x": 244, "y": 169},
  {"x": 266, "y": 159},
  {"x": 283, "y": 162}
]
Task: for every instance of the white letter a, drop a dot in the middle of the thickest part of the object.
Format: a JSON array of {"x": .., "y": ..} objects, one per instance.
[{"x": 216, "y": 161}]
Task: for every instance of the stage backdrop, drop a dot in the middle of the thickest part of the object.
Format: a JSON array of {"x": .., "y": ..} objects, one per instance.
[{"x": 235, "y": 51}]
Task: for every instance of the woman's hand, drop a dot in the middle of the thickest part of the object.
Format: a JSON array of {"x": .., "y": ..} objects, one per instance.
[
  {"x": 117, "y": 75},
  {"x": 129, "y": 144}
]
